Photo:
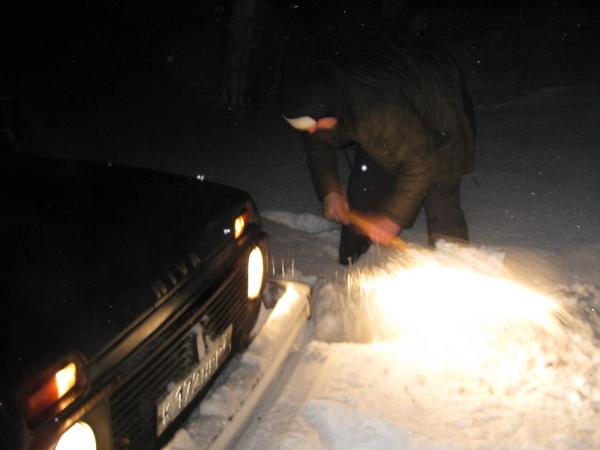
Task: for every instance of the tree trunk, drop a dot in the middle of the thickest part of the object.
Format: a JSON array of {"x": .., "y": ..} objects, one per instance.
[{"x": 241, "y": 67}]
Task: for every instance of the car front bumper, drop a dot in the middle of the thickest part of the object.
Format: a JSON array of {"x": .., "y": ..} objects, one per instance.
[{"x": 130, "y": 378}]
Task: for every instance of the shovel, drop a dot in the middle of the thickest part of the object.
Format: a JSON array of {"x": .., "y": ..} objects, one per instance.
[{"x": 363, "y": 224}]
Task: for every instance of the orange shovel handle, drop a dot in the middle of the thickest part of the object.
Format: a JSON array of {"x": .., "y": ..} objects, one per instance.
[{"x": 363, "y": 224}]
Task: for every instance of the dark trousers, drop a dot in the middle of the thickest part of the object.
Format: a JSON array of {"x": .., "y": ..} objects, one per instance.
[{"x": 369, "y": 184}]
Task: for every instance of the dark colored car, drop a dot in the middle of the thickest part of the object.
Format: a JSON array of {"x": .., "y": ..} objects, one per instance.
[{"x": 124, "y": 291}]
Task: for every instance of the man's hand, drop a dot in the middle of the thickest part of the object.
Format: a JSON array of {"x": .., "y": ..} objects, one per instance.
[
  {"x": 335, "y": 207},
  {"x": 379, "y": 228}
]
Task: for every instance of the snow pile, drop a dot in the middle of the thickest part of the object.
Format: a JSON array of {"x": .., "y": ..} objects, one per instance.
[
  {"x": 465, "y": 358},
  {"x": 306, "y": 222}
]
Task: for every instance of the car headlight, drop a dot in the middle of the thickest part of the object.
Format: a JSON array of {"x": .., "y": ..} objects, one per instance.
[
  {"x": 240, "y": 223},
  {"x": 256, "y": 272},
  {"x": 248, "y": 217},
  {"x": 79, "y": 437},
  {"x": 52, "y": 390}
]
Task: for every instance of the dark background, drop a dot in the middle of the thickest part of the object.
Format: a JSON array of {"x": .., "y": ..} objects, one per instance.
[{"x": 84, "y": 68}]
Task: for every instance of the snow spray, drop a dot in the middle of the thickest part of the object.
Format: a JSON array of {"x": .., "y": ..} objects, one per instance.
[{"x": 491, "y": 363}]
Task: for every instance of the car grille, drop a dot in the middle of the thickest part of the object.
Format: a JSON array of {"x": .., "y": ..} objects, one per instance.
[{"x": 133, "y": 405}]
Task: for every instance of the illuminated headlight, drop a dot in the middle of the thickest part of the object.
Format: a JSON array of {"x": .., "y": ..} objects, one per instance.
[
  {"x": 52, "y": 390},
  {"x": 79, "y": 437},
  {"x": 244, "y": 219},
  {"x": 239, "y": 225},
  {"x": 255, "y": 273}
]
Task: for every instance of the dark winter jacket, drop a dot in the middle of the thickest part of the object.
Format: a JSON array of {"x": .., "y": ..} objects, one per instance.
[{"x": 405, "y": 106}]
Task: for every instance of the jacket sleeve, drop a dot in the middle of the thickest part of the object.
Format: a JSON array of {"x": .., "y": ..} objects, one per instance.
[{"x": 322, "y": 164}]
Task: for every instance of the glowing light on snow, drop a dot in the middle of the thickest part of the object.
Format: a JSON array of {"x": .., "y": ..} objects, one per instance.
[
  {"x": 444, "y": 317},
  {"x": 286, "y": 302},
  {"x": 461, "y": 353}
]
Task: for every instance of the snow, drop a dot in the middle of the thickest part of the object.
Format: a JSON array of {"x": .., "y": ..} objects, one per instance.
[
  {"x": 527, "y": 380},
  {"x": 358, "y": 380}
]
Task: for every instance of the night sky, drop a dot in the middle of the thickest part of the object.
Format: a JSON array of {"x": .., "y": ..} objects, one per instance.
[{"x": 75, "y": 57}]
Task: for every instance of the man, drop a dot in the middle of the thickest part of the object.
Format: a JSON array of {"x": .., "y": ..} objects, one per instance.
[{"x": 406, "y": 111}]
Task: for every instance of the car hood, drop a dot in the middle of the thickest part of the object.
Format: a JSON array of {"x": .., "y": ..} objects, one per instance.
[{"x": 83, "y": 245}]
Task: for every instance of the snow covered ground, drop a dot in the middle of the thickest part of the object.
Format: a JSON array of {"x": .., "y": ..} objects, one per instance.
[{"x": 494, "y": 346}]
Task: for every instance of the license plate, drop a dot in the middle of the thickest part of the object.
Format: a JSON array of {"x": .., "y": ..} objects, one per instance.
[{"x": 170, "y": 406}]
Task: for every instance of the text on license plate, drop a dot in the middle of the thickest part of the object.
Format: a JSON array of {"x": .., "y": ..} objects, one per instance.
[{"x": 169, "y": 407}]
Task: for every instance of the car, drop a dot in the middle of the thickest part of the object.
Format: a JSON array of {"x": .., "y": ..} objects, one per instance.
[{"x": 124, "y": 293}]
